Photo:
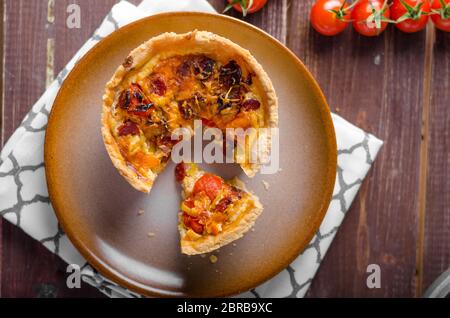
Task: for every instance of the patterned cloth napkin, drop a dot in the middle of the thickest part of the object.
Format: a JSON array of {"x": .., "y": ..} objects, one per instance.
[{"x": 24, "y": 198}]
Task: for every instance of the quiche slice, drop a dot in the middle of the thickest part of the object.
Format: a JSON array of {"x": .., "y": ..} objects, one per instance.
[
  {"x": 213, "y": 212},
  {"x": 172, "y": 80}
]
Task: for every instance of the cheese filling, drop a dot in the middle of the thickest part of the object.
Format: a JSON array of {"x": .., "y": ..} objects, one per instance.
[
  {"x": 172, "y": 93},
  {"x": 211, "y": 204}
]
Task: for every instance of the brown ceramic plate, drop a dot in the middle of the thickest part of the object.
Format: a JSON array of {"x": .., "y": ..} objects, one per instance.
[{"x": 98, "y": 209}]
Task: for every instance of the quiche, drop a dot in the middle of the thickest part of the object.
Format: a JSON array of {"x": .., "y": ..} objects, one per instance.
[
  {"x": 169, "y": 82},
  {"x": 213, "y": 212}
]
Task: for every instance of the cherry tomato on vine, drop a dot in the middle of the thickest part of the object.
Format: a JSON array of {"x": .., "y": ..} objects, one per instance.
[
  {"x": 371, "y": 17},
  {"x": 245, "y": 6},
  {"x": 330, "y": 17},
  {"x": 441, "y": 16},
  {"x": 410, "y": 15}
]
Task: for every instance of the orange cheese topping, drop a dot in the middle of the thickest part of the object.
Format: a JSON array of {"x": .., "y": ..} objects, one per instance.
[
  {"x": 211, "y": 205},
  {"x": 179, "y": 90}
]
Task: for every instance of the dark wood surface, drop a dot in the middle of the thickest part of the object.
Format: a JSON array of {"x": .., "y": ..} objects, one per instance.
[{"x": 396, "y": 86}]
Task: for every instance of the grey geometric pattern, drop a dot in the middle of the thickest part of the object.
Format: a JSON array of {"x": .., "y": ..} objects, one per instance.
[
  {"x": 364, "y": 144},
  {"x": 55, "y": 239},
  {"x": 315, "y": 243},
  {"x": 356, "y": 152},
  {"x": 344, "y": 187},
  {"x": 110, "y": 289},
  {"x": 15, "y": 173}
]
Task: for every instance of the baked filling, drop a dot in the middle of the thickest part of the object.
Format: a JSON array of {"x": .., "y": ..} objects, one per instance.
[
  {"x": 179, "y": 89},
  {"x": 211, "y": 205}
]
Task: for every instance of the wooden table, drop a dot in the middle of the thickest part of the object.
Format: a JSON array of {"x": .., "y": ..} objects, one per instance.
[{"x": 396, "y": 86}]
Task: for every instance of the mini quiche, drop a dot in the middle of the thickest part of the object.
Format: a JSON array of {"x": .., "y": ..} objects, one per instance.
[
  {"x": 213, "y": 213},
  {"x": 172, "y": 80}
]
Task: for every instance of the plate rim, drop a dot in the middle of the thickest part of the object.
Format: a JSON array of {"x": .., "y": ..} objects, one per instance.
[{"x": 114, "y": 275}]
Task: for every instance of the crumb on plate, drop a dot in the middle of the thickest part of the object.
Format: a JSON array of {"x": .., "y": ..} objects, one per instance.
[
  {"x": 266, "y": 185},
  {"x": 151, "y": 234},
  {"x": 213, "y": 259},
  {"x": 141, "y": 211}
]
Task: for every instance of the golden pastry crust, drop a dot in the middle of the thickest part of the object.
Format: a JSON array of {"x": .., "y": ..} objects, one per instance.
[
  {"x": 211, "y": 243},
  {"x": 143, "y": 59},
  {"x": 131, "y": 175},
  {"x": 249, "y": 212}
]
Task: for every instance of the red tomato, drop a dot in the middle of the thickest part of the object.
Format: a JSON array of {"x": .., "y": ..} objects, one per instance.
[
  {"x": 370, "y": 17},
  {"x": 208, "y": 122},
  {"x": 189, "y": 202},
  {"x": 330, "y": 17},
  {"x": 180, "y": 172},
  {"x": 442, "y": 17},
  {"x": 246, "y": 6},
  {"x": 193, "y": 223},
  {"x": 128, "y": 128},
  {"x": 210, "y": 184},
  {"x": 134, "y": 101},
  {"x": 411, "y": 15}
]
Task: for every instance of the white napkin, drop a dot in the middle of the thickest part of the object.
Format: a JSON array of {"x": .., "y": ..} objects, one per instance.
[{"x": 24, "y": 198}]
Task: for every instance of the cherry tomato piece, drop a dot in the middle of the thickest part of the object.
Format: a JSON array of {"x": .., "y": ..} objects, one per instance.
[
  {"x": 193, "y": 223},
  {"x": 210, "y": 184}
]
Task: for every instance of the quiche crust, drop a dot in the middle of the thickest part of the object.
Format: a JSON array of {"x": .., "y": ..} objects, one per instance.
[{"x": 145, "y": 57}]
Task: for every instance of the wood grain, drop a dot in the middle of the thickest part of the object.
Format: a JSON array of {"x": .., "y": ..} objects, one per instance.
[
  {"x": 401, "y": 216},
  {"x": 273, "y": 19},
  {"x": 24, "y": 82},
  {"x": 376, "y": 84},
  {"x": 423, "y": 169},
  {"x": 25, "y": 58},
  {"x": 1, "y": 89},
  {"x": 1, "y": 122},
  {"x": 437, "y": 222},
  {"x": 27, "y": 31}
]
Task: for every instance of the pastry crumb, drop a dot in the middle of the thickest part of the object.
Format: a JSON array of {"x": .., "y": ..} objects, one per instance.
[
  {"x": 151, "y": 234},
  {"x": 213, "y": 259},
  {"x": 253, "y": 229},
  {"x": 234, "y": 244},
  {"x": 141, "y": 211},
  {"x": 231, "y": 254},
  {"x": 202, "y": 255},
  {"x": 266, "y": 185},
  {"x": 217, "y": 270}
]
